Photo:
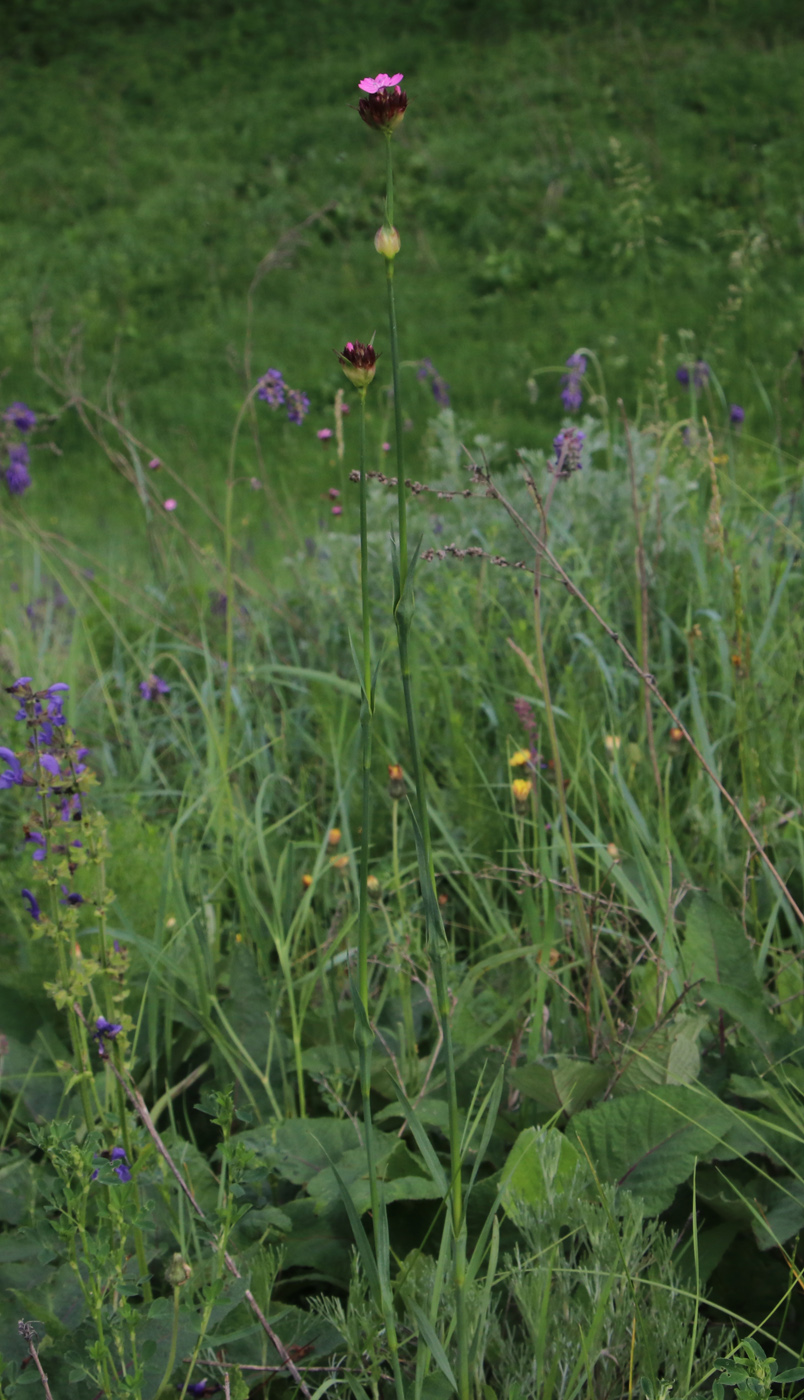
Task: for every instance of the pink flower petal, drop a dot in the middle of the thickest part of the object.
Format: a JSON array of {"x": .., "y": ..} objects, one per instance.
[
  {"x": 337, "y": 510},
  {"x": 324, "y": 434},
  {"x": 382, "y": 80},
  {"x": 170, "y": 504}
]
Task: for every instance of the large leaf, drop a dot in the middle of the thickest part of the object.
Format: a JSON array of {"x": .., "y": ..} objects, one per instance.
[
  {"x": 715, "y": 948},
  {"x": 564, "y": 1087},
  {"x": 542, "y": 1166},
  {"x": 649, "y": 1141}
]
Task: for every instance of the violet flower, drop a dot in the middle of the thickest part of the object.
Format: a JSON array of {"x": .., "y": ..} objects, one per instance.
[
  {"x": 105, "y": 1030},
  {"x": 567, "y": 446},
  {"x": 271, "y": 388},
  {"x": 18, "y": 478},
  {"x": 700, "y": 375},
  {"x": 571, "y": 395},
  {"x": 298, "y": 406},
  {"x": 117, "y": 1156},
  {"x": 35, "y": 838},
  {"x": 20, "y": 416},
  {"x": 13, "y": 776},
  {"x": 153, "y": 687},
  {"x": 71, "y": 896},
  {"x": 736, "y": 415},
  {"x": 33, "y": 905}
]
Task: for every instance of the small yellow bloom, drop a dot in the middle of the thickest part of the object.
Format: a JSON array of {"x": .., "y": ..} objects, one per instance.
[
  {"x": 334, "y": 837},
  {"x": 720, "y": 459},
  {"x": 676, "y": 734},
  {"x": 307, "y": 881},
  {"x": 613, "y": 851},
  {"x": 521, "y": 757},
  {"x": 612, "y": 743},
  {"x": 339, "y": 862},
  {"x": 170, "y": 923},
  {"x": 521, "y": 788},
  {"x": 373, "y": 885}
]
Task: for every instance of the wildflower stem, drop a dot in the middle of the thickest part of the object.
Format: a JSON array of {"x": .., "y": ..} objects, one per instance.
[
  {"x": 436, "y": 936},
  {"x": 363, "y": 1032}
]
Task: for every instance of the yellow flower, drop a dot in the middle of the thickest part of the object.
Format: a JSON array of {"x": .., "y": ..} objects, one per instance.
[
  {"x": 307, "y": 881},
  {"x": 521, "y": 788},
  {"x": 339, "y": 862},
  {"x": 334, "y": 836},
  {"x": 373, "y": 885},
  {"x": 518, "y": 759},
  {"x": 612, "y": 850},
  {"x": 612, "y": 743}
]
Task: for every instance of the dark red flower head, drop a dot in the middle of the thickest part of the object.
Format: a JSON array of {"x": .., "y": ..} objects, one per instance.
[
  {"x": 383, "y": 102},
  {"x": 358, "y": 362}
]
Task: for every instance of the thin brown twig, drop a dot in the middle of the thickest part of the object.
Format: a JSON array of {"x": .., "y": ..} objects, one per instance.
[{"x": 26, "y": 1331}]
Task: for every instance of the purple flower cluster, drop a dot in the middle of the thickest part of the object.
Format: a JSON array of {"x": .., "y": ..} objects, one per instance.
[
  {"x": 50, "y": 763},
  {"x": 698, "y": 374},
  {"x": 736, "y": 415},
  {"x": 105, "y": 1030},
  {"x": 273, "y": 390},
  {"x": 119, "y": 1161},
  {"x": 571, "y": 395},
  {"x": 153, "y": 687},
  {"x": 17, "y": 477},
  {"x": 440, "y": 387},
  {"x": 567, "y": 447}
]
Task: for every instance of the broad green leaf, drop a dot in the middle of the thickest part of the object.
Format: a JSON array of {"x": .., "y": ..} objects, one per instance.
[
  {"x": 649, "y": 1142},
  {"x": 542, "y": 1165},
  {"x": 715, "y": 948},
  {"x": 566, "y": 1087}
]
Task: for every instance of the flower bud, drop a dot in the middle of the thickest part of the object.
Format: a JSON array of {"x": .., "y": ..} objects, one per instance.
[
  {"x": 358, "y": 362},
  {"x": 396, "y": 781},
  {"x": 387, "y": 242},
  {"x": 177, "y": 1272}
]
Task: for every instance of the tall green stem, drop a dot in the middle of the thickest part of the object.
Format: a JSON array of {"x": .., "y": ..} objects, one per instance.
[
  {"x": 436, "y": 936},
  {"x": 363, "y": 1033}
]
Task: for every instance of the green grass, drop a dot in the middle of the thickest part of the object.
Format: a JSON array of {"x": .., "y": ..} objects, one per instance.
[
  {"x": 148, "y": 173},
  {"x": 631, "y": 1113}
]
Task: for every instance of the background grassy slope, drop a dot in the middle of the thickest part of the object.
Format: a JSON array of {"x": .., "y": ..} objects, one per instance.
[{"x": 150, "y": 161}]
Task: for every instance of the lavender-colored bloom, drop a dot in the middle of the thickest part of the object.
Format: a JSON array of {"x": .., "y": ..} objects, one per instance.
[
  {"x": 440, "y": 387},
  {"x": 18, "y": 478},
  {"x": 567, "y": 446},
  {"x": 35, "y": 838},
  {"x": 571, "y": 395},
  {"x": 736, "y": 415},
  {"x": 271, "y": 388},
  {"x": 71, "y": 807},
  {"x": 19, "y": 685},
  {"x": 13, "y": 775},
  {"x": 117, "y": 1156},
  {"x": 153, "y": 687},
  {"x": 198, "y": 1388},
  {"x": 50, "y": 764},
  {"x": 33, "y": 905},
  {"x": 20, "y": 416},
  {"x": 71, "y": 896},
  {"x": 700, "y": 375},
  {"x": 298, "y": 406},
  {"x": 105, "y": 1030}
]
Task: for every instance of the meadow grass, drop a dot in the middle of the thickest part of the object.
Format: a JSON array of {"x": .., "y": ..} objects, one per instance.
[{"x": 605, "y": 1049}]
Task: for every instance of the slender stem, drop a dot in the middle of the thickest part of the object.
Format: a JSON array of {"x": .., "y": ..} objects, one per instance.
[
  {"x": 363, "y": 1033},
  {"x": 436, "y": 936}
]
